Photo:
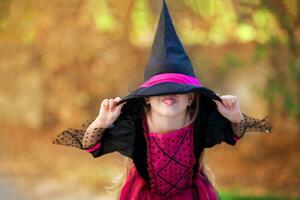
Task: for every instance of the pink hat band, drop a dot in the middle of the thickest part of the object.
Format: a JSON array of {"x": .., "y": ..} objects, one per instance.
[{"x": 171, "y": 77}]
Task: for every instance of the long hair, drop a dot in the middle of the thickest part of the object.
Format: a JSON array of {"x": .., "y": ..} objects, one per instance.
[{"x": 193, "y": 109}]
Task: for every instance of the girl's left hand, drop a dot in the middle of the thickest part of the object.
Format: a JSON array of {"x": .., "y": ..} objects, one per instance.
[{"x": 230, "y": 108}]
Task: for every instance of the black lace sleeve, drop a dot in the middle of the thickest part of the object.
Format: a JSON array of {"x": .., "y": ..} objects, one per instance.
[
  {"x": 72, "y": 137},
  {"x": 250, "y": 124},
  {"x": 221, "y": 129},
  {"x": 117, "y": 137}
]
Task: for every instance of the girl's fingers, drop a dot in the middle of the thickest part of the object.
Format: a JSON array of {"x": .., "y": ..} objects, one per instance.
[
  {"x": 220, "y": 98},
  {"x": 122, "y": 104},
  {"x": 111, "y": 104},
  {"x": 225, "y": 100},
  {"x": 119, "y": 107},
  {"x": 105, "y": 104},
  {"x": 233, "y": 100},
  {"x": 229, "y": 100},
  {"x": 218, "y": 104},
  {"x": 117, "y": 99}
]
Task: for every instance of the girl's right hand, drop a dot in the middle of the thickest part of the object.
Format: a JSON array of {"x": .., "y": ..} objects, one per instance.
[{"x": 109, "y": 112}]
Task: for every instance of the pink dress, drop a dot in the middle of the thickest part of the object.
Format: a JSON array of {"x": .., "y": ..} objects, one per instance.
[{"x": 170, "y": 159}]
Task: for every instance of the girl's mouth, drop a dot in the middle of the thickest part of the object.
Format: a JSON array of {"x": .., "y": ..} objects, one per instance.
[{"x": 169, "y": 101}]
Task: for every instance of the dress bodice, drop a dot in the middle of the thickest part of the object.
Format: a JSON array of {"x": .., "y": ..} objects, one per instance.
[{"x": 170, "y": 159}]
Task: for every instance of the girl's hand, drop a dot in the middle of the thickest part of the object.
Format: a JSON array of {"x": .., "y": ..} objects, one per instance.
[
  {"x": 230, "y": 108},
  {"x": 109, "y": 112}
]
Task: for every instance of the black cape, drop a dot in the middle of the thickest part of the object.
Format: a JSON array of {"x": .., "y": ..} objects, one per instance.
[{"x": 126, "y": 134}]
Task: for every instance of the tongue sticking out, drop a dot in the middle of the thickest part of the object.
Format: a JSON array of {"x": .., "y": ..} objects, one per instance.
[{"x": 169, "y": 101}]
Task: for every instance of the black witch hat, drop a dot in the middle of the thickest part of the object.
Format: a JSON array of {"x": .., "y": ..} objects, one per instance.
[{"x": 169, "y": 69}]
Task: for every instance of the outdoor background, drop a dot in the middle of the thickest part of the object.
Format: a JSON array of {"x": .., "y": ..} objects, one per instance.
[{"x": 60, "y": 59}]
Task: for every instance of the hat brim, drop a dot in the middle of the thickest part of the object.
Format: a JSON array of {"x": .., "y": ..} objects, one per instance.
[{"x": 168, "y": 88}]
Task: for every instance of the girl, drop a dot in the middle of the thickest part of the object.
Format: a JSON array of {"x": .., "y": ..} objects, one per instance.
[{"x": 164, "y": 126}]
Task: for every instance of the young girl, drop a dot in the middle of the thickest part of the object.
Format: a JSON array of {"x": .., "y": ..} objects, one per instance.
[{"x": 164, "y": 126}]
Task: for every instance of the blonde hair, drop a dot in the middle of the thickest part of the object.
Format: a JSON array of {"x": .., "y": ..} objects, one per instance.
[{"x": 193, "y": 109}]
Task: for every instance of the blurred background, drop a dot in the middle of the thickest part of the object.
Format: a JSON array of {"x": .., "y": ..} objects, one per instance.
[{"x": 60, "y": 59}]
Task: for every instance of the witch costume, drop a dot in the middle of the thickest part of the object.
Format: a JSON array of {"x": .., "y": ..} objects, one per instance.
[{"x": 166, "y": 166}]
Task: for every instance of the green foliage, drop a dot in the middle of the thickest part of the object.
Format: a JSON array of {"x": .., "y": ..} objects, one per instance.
[
  {"x": 141, "y": 18},
  {"x": 265, "y": 25},
  {"x": 238, "y": 197},
  {"x": 259, "y": 54},
  {"x": 102, "y": 15},
  {"x": 235, "y": 195},
  {"x": 294, "y": 70},
  {"x": 230, "y": 61},
  {"x": 245, "y": 32},
  {"x": 205, "y": 8}
]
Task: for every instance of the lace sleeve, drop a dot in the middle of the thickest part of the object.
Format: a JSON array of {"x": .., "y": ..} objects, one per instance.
[
  {"x": 251, "y": 124},
  {"x": 119, "y": 136},
  {"x": 75, "y": 137}
]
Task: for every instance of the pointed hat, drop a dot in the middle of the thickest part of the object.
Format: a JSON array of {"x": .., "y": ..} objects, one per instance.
[{"x": 169, "y": 69}]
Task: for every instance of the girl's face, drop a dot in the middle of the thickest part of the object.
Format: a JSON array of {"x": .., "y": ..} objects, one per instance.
[{"x": 171, "y": 104}]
